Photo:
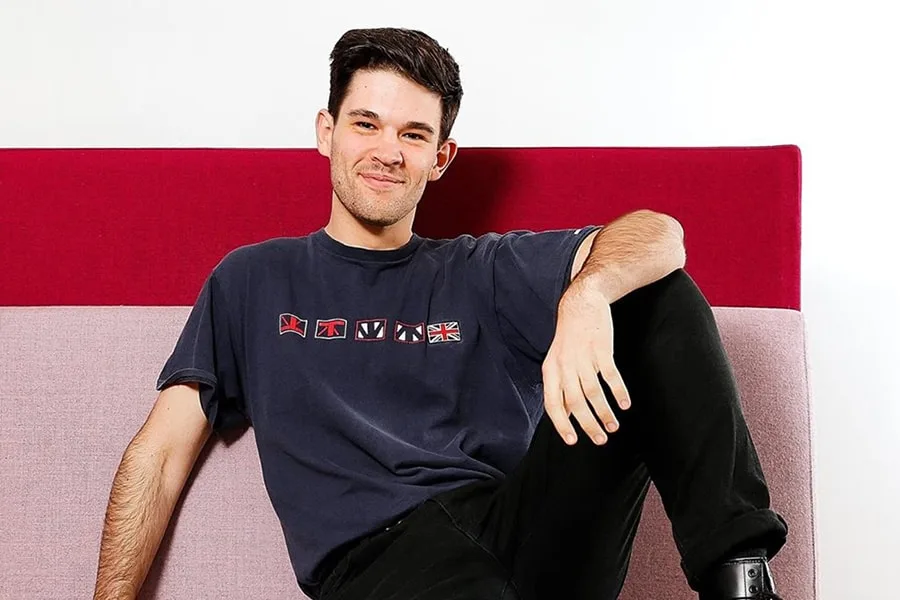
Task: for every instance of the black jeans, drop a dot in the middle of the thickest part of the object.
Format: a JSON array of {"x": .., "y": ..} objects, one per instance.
[{"x": 561, "y": 525}]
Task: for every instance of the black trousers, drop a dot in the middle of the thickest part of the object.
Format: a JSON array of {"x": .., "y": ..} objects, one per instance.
[{"x": 561, "y": 525}]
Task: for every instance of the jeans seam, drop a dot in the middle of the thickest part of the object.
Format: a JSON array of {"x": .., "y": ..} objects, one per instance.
[{"x": 474, "y": 540}]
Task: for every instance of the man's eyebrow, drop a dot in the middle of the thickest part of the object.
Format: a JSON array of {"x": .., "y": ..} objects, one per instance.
[
  {"x": 368, "y": 114},
  {"x": 361, "y": 112}
]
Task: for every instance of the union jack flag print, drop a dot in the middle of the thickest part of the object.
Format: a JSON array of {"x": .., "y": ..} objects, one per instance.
[
  {"x": 288, "y": 323},
  {"x": 409, "y": 333},
  {"x": 331, "y": 329},
  {"x": 371, "y": 330},
  {"x": 443, "y": 332}
]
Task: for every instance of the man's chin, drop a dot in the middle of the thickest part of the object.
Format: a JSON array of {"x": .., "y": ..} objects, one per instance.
[
  {"x": 374, "y": 218},
  {"x": 378, "y": 221},
  {"x": 367, "y": 208}
]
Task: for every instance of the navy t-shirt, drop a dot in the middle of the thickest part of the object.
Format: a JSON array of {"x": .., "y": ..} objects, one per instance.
[{"x": 375, "y": 379}]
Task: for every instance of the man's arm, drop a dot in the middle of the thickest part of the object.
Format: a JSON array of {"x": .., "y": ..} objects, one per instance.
[
  {"x": 146, "y": 487},
  {"x": 633, "y": 251}
]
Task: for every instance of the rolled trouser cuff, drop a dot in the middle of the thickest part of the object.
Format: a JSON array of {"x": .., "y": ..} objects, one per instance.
[{"x": 761, "y": 528}]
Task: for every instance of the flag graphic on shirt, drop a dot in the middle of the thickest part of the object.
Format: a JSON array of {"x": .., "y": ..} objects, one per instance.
[
  {"x": 371, "y": 330},
  {"x": 331, "y": 329},
  {"x": 288, "y": 323},
  {"x": 443, "y": 332},
  {"x": 409, "y": 334}
]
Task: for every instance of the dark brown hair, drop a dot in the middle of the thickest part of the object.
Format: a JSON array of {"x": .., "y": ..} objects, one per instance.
[{"x": 407, "y": 52}]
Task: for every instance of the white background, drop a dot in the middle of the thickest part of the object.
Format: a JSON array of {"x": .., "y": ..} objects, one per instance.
[{"x": 822, "y": 75}]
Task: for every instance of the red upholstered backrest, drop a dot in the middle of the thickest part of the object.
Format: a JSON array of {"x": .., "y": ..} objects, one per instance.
[{"x": 145, "y": 227}]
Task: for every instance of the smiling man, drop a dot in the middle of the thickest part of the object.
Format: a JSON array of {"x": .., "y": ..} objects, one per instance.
[{"x": 443, "y": 419}]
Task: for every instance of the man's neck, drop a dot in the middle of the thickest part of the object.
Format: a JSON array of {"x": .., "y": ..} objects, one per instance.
[
  {"x": 351, "y": 232},
  {"x": 369, "y": 241}
]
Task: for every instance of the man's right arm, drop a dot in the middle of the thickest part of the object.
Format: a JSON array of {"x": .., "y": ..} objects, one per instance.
[{"x": 146, "y": 488}]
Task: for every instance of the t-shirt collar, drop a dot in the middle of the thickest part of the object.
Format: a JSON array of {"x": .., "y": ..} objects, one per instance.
[{"x": 333, "y": 246}]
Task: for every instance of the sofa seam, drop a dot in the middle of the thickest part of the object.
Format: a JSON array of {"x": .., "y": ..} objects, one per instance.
[{"x": 812, "y": 457}]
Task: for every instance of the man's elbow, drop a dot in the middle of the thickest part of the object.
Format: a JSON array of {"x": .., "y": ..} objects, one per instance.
[
  {"x": 671, "y": 230},
  {"x": 676, "y": 227},
  {"x": 677, "y": 233},
  {"x": 672, "y": 225}
]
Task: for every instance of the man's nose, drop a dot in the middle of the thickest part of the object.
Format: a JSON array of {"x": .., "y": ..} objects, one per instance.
[{"x": 388, "y": 151}]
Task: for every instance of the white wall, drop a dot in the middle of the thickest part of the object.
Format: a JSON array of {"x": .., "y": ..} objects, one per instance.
[{"x": 819, "y": 74}]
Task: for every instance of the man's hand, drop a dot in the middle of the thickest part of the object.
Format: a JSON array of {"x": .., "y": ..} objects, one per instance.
[
  {"x": 633, "y": 251},
  {"x": 581, "y": 348}
]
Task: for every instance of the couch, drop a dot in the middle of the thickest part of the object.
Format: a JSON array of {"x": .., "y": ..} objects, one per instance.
[{"x": 104, "y": 252}]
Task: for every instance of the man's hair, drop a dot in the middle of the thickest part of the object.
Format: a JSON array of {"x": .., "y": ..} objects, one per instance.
[{"x": 406, "y": 52}]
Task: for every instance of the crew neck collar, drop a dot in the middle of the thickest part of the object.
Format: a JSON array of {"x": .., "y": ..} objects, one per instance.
[{"x": 330, "y": 244}]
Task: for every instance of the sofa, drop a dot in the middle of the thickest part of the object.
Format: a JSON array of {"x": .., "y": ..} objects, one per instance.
[{"x": 104, "y": 252}]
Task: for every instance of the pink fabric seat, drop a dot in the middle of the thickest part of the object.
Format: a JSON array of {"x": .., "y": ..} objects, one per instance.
[{"x": 77, "y": 382}]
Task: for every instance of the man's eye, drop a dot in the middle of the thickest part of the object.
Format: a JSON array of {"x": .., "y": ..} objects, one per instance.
[
  {"x": 364, "y": 125},
  {"x": 416, "y": 136}
]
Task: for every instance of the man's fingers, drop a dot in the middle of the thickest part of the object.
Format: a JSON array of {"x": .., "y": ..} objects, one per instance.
[
  {"x": 554, "y": 405},
  {"x": 575, "y": 401},
  {"x": 586, "y": 418},
  {"x": 616, "y": 384},
  {"x": 569, "y": 392},
  {"x": 594, "y": 393}
]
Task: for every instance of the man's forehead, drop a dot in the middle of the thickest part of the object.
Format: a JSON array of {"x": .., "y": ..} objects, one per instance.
[{"x": 388, "y": 95}]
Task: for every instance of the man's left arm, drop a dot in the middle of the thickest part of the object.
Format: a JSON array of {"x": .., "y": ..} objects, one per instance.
[{"x": 633, "y": 251}]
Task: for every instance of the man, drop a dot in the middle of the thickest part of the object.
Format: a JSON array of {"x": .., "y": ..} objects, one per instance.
[{"x": 425, "y": 409}]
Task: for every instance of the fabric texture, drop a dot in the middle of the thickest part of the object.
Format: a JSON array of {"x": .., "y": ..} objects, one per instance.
[
  {"x": 77, "y": 382},
  {"x": 375, "y": 379},
  {"x": 561, "y": 525},
  {"x": 108, "y": 226},
  {"x": 77, "y": 369}
]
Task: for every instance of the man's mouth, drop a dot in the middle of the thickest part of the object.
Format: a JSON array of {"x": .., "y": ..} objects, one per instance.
[{"x": 379, "y": 181}]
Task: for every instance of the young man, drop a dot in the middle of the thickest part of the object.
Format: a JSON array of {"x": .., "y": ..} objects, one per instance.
[{"x": 425, "y": 409}]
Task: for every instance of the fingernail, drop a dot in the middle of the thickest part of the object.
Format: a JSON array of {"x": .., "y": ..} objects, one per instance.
[
  {"x": 599, "y": 440},
  {"x": 611, "y": 426},
  {"x": 570, "y": 439}
]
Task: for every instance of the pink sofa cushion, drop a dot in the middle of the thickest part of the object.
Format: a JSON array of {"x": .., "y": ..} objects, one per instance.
[{"x": 77, "y": 383}]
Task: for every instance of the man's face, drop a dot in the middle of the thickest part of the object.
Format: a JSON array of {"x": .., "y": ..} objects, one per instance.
[{"x": 383, "y": 146}]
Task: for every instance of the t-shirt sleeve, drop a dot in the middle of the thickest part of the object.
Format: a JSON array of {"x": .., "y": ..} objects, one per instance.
[
  {"x": 530, "y": 272},
  {"x": 205, "y": 354}
]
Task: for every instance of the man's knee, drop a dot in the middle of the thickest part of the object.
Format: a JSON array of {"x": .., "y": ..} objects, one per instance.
[
  {"x": 673, "y": 300},
  {"x": 678, "y": 287}
]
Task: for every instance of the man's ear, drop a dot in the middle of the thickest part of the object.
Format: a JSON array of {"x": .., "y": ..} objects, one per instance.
[
  {"x": 324, "y": 131},
  {"x": 445, "y": 155}
]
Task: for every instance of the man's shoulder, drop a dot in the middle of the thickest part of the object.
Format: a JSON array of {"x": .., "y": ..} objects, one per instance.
[
  {"x": 464, "y": 241},
  {"x": 488, "y": 242},
  {"x": 491, "y": 237},
  {"x": 268, "y": 253}
]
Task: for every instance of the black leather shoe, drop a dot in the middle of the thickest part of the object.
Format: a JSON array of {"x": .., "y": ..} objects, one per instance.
[{"x": 740, "y": 579}]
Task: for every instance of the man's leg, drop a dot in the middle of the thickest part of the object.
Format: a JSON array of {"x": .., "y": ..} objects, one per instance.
[
  {"x": 560, "y": 533},
  {"x": 564, "y": 520},
  {"x": 424, "y": 557}
]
